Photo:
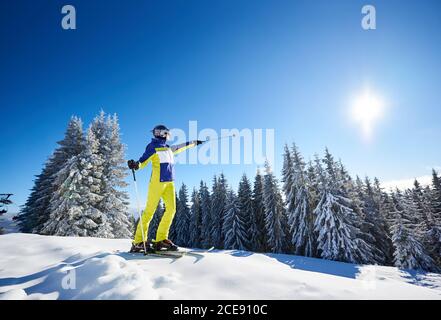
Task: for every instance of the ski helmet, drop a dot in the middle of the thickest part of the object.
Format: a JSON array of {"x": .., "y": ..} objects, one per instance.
[{"x": 161, "y": 131}]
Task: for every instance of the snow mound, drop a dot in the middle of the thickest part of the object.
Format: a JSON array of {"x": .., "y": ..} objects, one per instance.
[
  {"x": 109, "y": 277},
  {"x": 42, "y": 267}
]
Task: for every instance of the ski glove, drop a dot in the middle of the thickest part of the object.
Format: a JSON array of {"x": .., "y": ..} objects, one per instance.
[{"x": 133, "y": 165}]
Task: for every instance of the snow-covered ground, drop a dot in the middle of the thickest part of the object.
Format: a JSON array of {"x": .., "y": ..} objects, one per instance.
[{"x": 40, "y": 267}]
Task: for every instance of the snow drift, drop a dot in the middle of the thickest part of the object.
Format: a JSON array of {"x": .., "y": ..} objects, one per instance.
[{"x": 45, "y": 267}]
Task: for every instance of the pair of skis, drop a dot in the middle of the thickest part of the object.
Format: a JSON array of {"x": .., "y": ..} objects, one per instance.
[
  {"x": 175, "y": 254},
  {"x": 166, "y": 254}
]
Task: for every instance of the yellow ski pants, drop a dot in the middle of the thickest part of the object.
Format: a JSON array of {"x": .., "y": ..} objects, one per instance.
[{"x": 158, "y": 190}]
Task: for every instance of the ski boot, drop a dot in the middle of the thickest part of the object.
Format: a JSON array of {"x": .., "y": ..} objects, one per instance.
[
  {"x": 140, "y": 248},
  {"x": 165, "y": 245}
]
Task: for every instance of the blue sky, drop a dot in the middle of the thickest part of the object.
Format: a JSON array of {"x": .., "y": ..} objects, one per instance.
[{"x": 292, "y": 66}]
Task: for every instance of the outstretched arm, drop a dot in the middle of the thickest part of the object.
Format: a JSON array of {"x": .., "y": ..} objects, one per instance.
[{"x": 184, "y": 146}]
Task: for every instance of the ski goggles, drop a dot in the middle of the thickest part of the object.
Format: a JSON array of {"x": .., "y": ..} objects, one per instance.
[{"x": 163, "y": 133}]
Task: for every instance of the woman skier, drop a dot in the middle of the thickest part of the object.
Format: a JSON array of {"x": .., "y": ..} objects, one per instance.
[{"x": 161, "y": 155}]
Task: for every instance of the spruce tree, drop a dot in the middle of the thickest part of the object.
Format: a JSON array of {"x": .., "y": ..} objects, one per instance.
[
  {"x": 114, "y": 199},
  {"x": 433, "y": 236},
  {"x": 234, "y": 227},
  {"x": 36, "y": 210},
  {"x": 288, "y": 177},
  {"x": 313, "y": 179},
  {"x": 374, "y": 224},
  {"x": 436, "y": 194},
  {"x": 364, "y": 224},
  {"x": 246, "y": 214},
  {"x": 384, "y": 206},
  {"x": 432, "y": 232},
  {"x": 74, "y": 207},
  {"x": 258, "y": 233},
  {"x": 274, "y": 212},
  {"x": 409, "y": 252},
  {"x": 182, "y": 227},
  {"x": 195, "y": 220},
  {"x": 336, "y": 221},
  {"x": 289, "y": 189},
  {"x": 218, "y": 207},
  {"x": 206, "y": 215},
  {"x": 299, "y": 211},
  {"x": 422, "y": 216},
  {"x": 121, "y": 222},
  {"x": 386, "y": 202}
]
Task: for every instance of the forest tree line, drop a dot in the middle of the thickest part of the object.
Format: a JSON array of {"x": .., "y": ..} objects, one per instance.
[{"x": 317, "y": 210}]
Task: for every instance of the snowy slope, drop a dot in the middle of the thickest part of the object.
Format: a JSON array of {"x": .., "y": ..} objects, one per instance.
[{"x": 36, "y": 267}]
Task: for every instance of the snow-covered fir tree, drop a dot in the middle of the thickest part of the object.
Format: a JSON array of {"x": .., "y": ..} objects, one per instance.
[
  {"x": 433, "y": 236},
  {"x": 156, "y": 219},
  {"x": 182, "y": 226},
  {"x": 121, "y": 222},
  {"x": 28, "y": 217},
  {"x": 114, "y": 199},
  {"x": 431, "y": 228},
  {"x": 289, "y": 189},
  {"x": 195, "y": 220},
  {"x": 74, "y": 207},
  {"x": 218, "y": 207},
  {"x": 436, "y": 195},
  {"x": 386, "y": 209},
  {"x": 36, "y": 210},
  {"x": 417, "y": 196},
  {"x": 336, "y": 222},
  {"x": 299, "y": 211},
  {"x": 373, "y": 226},
  {"x": 409, "y": 252},
  {"x": 258, "y": 234},
  {"x": 205, "y": 198},
  {"x": 234, "y": 227},
  {"x": 213, "y": 229},
  {"x": 245, "y": 203},
  {"x": 386, "y": 202},
  {"x": 274, "y": 212},
  {"x": 288, "y": 176}
]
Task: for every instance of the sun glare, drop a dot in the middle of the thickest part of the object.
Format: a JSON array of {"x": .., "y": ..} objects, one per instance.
[{"x": 367, "y": 109}]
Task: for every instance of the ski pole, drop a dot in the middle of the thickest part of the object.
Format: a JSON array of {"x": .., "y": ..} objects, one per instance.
[
  {"x": 220, "y": 138},
  {"x": 139, "y": 210}
]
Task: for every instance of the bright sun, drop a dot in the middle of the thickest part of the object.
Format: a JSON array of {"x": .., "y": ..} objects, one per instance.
[{"x": 366, "y": 110}]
